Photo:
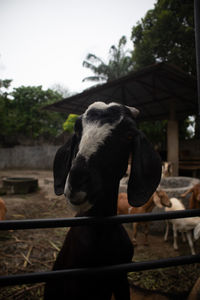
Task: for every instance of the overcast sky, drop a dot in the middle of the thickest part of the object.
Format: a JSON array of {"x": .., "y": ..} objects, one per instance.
[{"x": 44, "y": 42}]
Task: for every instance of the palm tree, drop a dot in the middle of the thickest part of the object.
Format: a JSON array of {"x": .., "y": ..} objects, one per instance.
[{"x": 119, "y": 64}]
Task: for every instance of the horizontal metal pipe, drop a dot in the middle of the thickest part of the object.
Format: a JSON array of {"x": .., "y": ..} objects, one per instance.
[
  {"x": 80, "y": 221},
  {"x": 71, "y": 273}
]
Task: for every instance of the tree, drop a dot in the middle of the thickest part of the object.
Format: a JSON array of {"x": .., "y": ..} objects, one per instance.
[
  {"x": 23, "y": 115},
  {"x": 4, "y": 84},
  {"x": 119, "y": 64},
  {"x": 68, "y": 125},
  {"x": 166, "y": 33},
  {"x": 5, "y": 106},
  {"x": 32, "y": 120},
  {"x": 155, "y": 131},
  {"x": 62, "y": 90}
]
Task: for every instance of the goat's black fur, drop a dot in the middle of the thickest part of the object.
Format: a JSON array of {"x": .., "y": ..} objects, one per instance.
[{"x": 99, "y": 177}]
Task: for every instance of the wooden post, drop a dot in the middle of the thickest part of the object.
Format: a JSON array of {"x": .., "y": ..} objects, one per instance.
[{"x": 173, "y": 141}]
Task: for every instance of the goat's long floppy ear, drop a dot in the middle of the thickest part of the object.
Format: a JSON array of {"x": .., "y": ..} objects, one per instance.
[
  {"x": 145, "y": 171},
  {"x": 62, "y": 165}
]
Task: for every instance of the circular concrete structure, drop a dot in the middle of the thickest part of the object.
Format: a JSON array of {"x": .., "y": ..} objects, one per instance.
[
  {"x": 175, "y": 186},
  {"x": 18, "y": 185}
]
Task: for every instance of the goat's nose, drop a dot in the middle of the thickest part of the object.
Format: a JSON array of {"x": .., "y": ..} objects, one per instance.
[{"x": 78, "y": 198}]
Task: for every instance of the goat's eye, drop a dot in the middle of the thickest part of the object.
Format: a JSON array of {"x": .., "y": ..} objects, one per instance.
[{"x": 129, "y": 135}]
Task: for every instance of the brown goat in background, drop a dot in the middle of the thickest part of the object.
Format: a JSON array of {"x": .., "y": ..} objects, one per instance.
[
  {"x": 159, "y": 199},
  {"x": 2, "y": 210},
  {"x": 194, "y": 200}
]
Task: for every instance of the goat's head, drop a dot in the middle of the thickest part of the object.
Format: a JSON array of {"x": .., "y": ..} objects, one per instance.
[
  {"x": 90, "y": 165},
  {"x": 161, "y": 199}
]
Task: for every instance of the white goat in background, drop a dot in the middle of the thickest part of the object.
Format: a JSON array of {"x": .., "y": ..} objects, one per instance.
[{"x": 183, "y": 225}]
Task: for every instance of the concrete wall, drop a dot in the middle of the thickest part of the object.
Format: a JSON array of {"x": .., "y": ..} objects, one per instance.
[
  {"x": 28, "y": 157},
  {"x": 41, "y": 157}
]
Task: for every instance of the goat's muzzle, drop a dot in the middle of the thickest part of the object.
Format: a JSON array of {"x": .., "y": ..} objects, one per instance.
[
  {"x": 77, "y": 199},
  {"x": 77, "y": 185}
]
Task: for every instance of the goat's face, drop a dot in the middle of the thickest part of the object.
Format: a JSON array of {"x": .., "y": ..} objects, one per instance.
[
  {"x": 161, "y": 199},
  {"x": 105, "y": 135}
]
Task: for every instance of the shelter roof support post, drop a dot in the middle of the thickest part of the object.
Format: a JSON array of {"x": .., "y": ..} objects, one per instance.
[
  {"x": 197, "y": 40},
  {"x": 173, "y": 141}
]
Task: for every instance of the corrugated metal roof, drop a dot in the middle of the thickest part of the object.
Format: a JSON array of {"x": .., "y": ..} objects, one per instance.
[{"x": 151, "y": 90}]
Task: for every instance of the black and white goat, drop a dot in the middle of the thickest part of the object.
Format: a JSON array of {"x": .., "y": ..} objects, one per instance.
[
  {"x": 88, "y": 169},
  {"x": 183, "y": 225}
]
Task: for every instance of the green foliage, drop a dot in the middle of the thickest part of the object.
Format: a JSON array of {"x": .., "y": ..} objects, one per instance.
[
  {"x": 119, "y": 64},
  {"x": 166, "y": 33},
  {"x": 31, "y": 119},
  {"x": 21, "y": 114},
  {"x": 5, "y": 84},
  {"x": 68, "y": 125},
  {"x": 62, "y": 90},
  {"x": 156, "y": 132},
  {"x": 5, "y": 108}
]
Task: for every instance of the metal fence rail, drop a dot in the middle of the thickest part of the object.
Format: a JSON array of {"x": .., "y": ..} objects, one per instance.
[
  {"x": 70, "y": 273},
  {"x": 81, "y": 221}
]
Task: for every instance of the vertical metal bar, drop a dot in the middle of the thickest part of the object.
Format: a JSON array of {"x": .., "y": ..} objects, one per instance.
[{"x": 197, "y": 42}]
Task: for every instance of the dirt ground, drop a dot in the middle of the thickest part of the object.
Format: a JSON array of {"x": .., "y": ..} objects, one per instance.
[{"x": 24, "y": 251}]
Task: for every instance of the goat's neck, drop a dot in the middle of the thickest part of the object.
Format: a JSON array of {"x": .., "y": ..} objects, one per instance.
[
  {"x": 106, "y": 203},
  {"x": 149, "y": 205}
]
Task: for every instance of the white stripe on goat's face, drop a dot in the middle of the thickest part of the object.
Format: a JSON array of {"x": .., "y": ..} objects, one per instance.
[{"x": 97, "y": 126}]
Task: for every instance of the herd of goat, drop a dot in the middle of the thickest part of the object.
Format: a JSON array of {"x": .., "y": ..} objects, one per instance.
[
  {"x": 186, "y": 226},
  {"x": 161, "y": 200},
  {"x": 88, "y": 170}
]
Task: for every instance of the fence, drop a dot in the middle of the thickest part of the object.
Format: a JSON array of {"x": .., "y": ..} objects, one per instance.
[
  {"x": 51, "y": 223},
  {"x": 79, "y": 221}
]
